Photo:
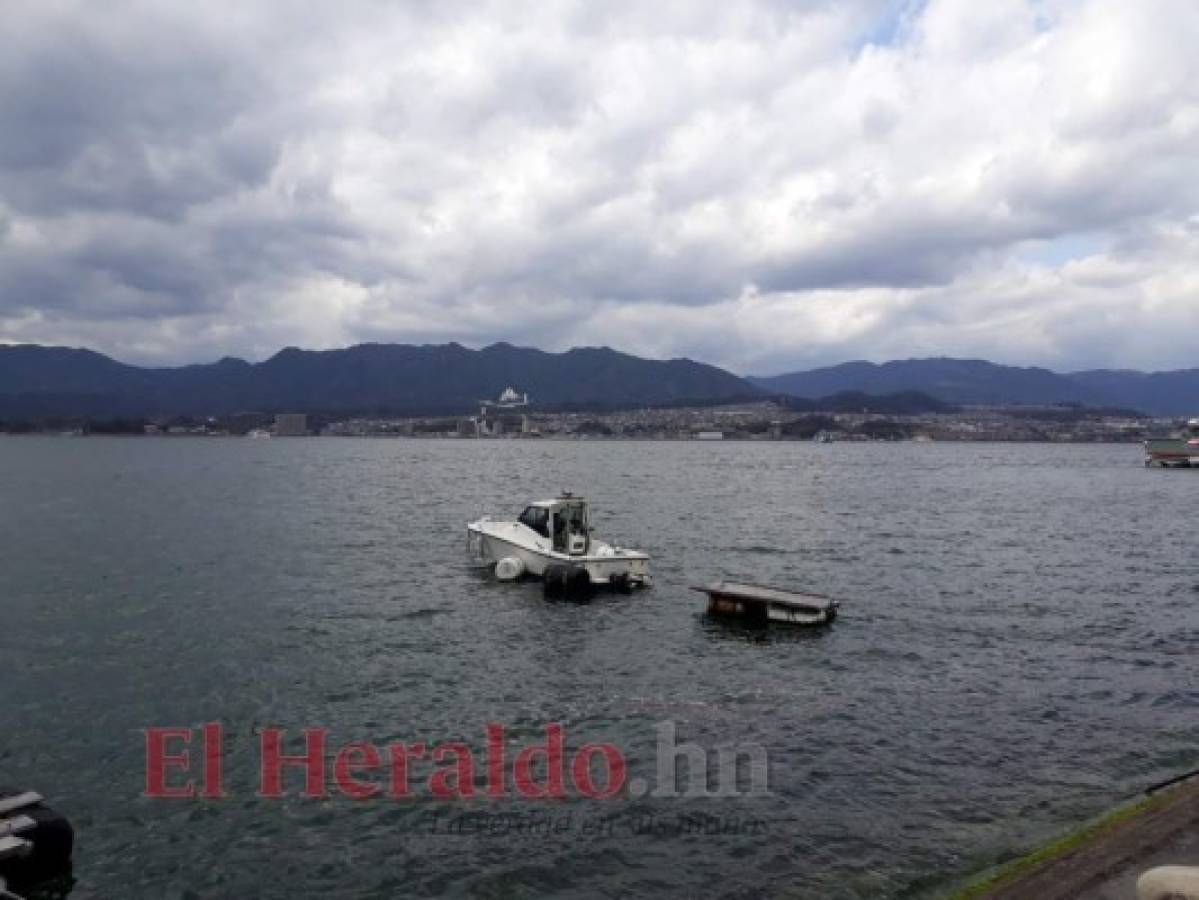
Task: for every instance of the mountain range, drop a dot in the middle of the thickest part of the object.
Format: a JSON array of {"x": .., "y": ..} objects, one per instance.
[
  {"x": 41, "y": 382},
  {"x": 977, "y": 382},
  {"x": 44, "y": 382}
]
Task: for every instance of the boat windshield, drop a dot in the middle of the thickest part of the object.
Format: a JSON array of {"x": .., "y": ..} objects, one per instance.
[
  {"x": 537, "y": 518},
  {"x": 570, "y": 521},
  {"x": 575, "y": 518}
]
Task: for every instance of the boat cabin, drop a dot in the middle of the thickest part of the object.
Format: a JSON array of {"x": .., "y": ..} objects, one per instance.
[{"x": 563, "y": 520}]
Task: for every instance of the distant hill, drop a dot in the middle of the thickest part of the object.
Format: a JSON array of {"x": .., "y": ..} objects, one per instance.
[
  {"x": 1168, "y": 393},
  {"x": 960, "y": 381},
  {"x": 973, "y": 382},
  {"x": 37, "y": 381}
]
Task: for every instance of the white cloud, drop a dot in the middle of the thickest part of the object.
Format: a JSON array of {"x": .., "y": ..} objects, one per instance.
[{"x": 755, "y": 183}]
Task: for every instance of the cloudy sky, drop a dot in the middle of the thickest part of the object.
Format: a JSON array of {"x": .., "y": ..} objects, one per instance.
[{"x": 762, "y": 185}]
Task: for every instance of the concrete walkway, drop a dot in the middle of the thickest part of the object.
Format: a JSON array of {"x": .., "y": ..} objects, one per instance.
[{"x": 1102, "y": 861}]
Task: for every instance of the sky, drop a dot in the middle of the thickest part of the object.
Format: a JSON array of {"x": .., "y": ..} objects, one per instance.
[{"x": 767, "y": 186}]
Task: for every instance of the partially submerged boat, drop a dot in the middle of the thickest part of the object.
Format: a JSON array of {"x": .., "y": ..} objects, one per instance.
[
  {"x": 1176, "y": 452},
  {"x": 552, "y": 540},
  {"x": 35, "y": 842},
  {"x": 761, "y": 604}
]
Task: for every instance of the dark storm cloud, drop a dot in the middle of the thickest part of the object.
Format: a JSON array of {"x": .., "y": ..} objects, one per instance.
[
  {"x": 151, "y": 122},
  {"x": 138, "y": 146}
]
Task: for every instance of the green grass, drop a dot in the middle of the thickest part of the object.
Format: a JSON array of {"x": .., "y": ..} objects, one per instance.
[{"x": 1009, "y": 871}]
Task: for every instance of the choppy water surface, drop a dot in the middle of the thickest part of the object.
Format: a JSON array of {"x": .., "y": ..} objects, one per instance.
[{"x": 1015, "y": 652}]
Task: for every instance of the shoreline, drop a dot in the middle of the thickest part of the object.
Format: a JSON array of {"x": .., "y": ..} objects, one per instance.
[
  {"x": 1102, "y": 857},
  {"x": 571, "y": 438}
]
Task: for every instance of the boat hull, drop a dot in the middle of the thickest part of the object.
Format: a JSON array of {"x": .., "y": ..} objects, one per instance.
[{"x": 489, "y": 542}]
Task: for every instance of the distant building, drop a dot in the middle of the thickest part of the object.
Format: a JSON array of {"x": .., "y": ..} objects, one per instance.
[
  {"x": 247, "y": 420},
  {"x": 511, "y": 398},
  {"x": 490, "y": 422},
  {"x": 291, "y": 425}
]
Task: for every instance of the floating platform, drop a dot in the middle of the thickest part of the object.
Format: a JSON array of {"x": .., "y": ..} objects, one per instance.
[
  {"x": 1174, "y": 453},
  {"x": 762, "y": 604}
]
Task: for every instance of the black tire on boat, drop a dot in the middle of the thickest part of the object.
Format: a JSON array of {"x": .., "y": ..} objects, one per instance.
[
  {"x": 52, "y": 837},
  {"x": 553, "y": 581},
  {"x": 566, "y": 581},
  {"x": 621, "y": 584}
]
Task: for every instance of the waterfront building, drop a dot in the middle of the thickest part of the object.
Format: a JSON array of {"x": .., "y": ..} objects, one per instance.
[{"x": 291, "y": 425}]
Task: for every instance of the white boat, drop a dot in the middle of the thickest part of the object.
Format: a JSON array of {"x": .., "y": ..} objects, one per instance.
[
  {"x": 258, "y": 433},
  {"x": 552, "y": 539}
]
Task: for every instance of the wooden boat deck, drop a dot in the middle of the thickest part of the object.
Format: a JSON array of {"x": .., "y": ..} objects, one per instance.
[{"x": 764, "y": 603}]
